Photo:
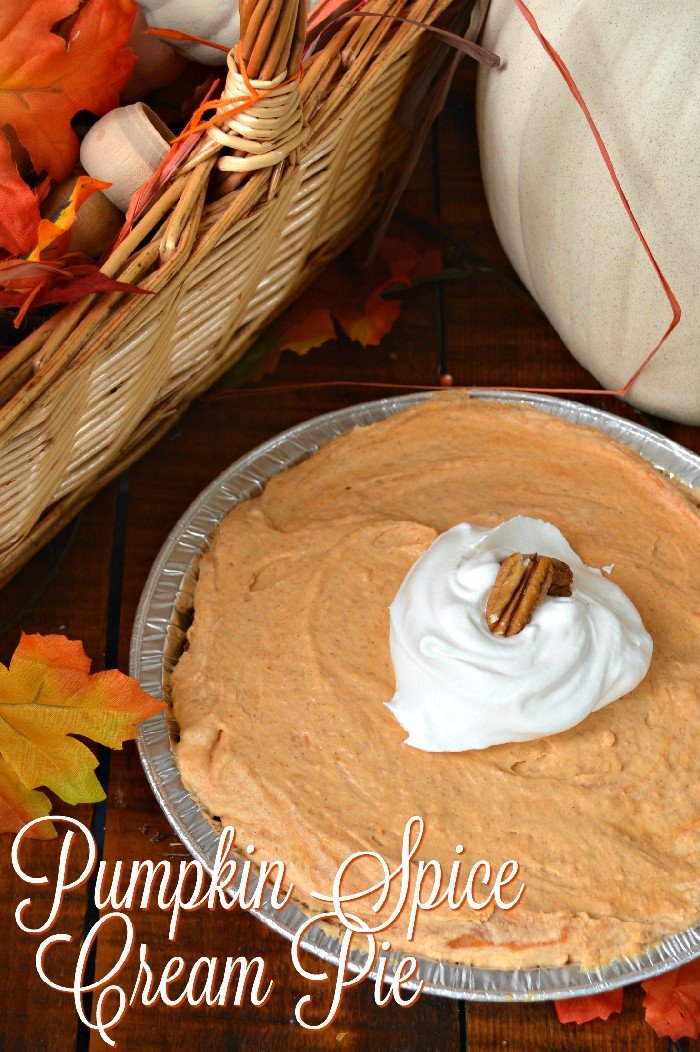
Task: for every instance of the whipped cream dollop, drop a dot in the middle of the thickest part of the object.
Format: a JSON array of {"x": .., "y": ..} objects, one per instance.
[{"x": 460, "y": 687}]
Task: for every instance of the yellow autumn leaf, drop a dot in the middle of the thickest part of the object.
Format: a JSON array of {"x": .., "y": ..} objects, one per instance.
[
  {"x": 47, "y": 696},
  {"x": 19, "y": 805}
]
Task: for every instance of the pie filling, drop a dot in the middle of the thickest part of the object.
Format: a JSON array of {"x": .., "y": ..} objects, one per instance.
[{"x": 281, "y": 696}]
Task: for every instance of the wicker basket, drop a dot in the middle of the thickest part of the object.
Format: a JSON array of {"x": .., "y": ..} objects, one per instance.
[{"x": 97, "y": 385}]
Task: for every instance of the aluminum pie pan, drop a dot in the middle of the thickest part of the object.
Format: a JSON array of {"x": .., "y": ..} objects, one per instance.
[{"x": 164, "y": 614}]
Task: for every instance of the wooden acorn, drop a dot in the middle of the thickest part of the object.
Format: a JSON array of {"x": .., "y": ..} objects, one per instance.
[{"x": 124, "y": 148}]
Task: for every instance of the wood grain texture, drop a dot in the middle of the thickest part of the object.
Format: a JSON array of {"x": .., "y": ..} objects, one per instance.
[
  {"x": 532, "y": 1028},
  {"x": 75, "y": 603}
]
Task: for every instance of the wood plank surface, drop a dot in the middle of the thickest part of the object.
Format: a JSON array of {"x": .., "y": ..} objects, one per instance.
[
  {"x": 75, "y": 602},
  {"x": 480, "y": 329}
]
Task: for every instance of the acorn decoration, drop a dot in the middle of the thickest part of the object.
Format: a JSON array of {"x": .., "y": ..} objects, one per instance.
[{"x": 124, "y": 148}]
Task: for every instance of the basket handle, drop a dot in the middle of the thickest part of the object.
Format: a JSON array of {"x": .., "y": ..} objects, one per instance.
[
  {"x": 272, "y": 37},
  {"x": 266, "y": 121}
]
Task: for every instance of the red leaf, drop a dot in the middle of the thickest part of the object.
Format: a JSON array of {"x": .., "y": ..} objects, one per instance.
[
  {"x": 19, "y": 207},
  {"x": 26, "y": 284},
  {"x": 28, "y": 273},
  {"x": 584, "y": 1009},
  {"x": 672, "y": 1002},
  {"x": 180, "y": 150}
]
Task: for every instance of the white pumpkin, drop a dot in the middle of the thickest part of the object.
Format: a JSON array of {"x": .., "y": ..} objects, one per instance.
[{"x": 554, "y": 205}]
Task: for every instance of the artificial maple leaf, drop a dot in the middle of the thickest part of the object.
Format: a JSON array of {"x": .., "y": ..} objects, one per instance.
[
  {"x": 584, "y": 1009},
  {"x": 44, "y": 81},
  {"x": 672, "y": 1002},
  {"x": 48, "y": 695},
  {"x": 406, "y": 263},
  {"x": 358, "y": 307}
]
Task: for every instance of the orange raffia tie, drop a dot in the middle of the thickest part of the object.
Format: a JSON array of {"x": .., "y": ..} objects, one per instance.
[
  {"x": 239, "y": 103},
  {"x": 175, "y": 34},
  {"x": 675, "y": 305},
  {"x": 30, "y": 296},
  {"x": 227, "y": 393}
]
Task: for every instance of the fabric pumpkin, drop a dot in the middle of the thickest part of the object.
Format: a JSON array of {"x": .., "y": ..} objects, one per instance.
[{"x": 554, "y": 205}]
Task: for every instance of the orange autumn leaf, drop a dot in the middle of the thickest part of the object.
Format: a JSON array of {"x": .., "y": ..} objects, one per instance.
[
  {"x": 302, "y": 334},
  {"x": 672, "y": 1002},
  {"x": 44, "y": 81},
  {"x": 584, "y": 1009},
  {"x": 356, "y": 306},
  {"x": 47, "y": 696}
]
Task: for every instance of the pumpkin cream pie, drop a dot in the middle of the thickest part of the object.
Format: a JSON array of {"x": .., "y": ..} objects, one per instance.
[{"x": 293, "y": 717}]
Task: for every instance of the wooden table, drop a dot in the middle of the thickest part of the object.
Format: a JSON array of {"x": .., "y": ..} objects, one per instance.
[{"x": 483, "y": 333}]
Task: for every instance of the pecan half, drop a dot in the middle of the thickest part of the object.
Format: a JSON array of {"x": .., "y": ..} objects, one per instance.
[
  {"x": 562, "y": 579},
  {"x": 522, "y": 584}
]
